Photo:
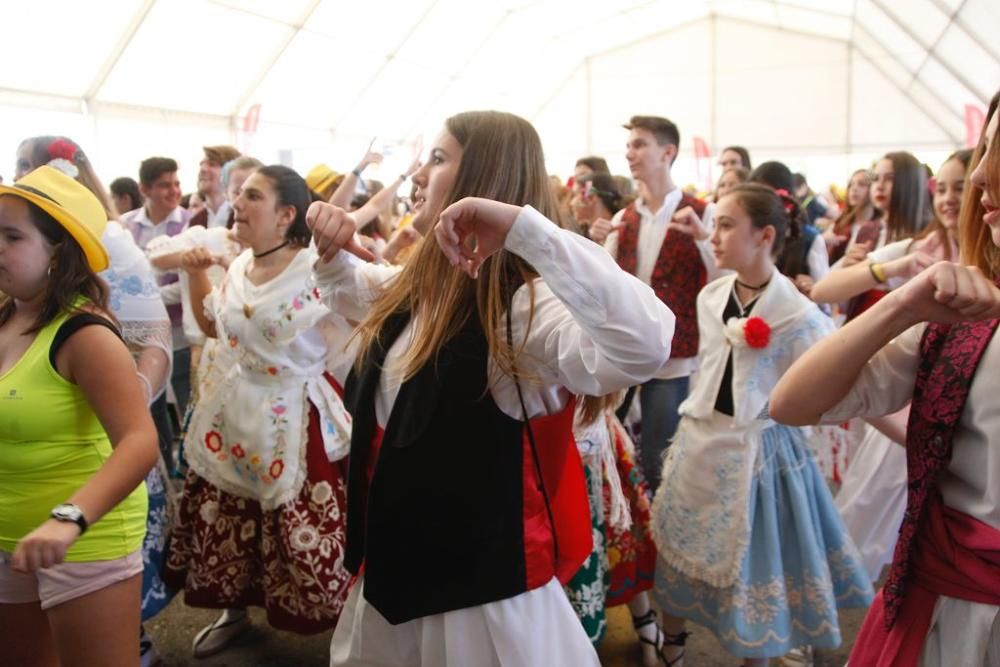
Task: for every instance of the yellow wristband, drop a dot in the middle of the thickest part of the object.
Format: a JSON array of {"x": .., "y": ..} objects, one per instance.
[{"x": 877, "y": 272}]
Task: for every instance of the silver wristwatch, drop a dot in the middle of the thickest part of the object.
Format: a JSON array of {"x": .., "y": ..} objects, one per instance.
[{"x": 70, "y": 513}]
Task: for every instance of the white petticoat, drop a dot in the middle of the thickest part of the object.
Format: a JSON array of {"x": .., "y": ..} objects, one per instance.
[{"x": 538, "y": 627}]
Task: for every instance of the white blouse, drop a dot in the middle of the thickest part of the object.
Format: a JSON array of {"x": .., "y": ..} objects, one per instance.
[{"x": 595, "y": 330}]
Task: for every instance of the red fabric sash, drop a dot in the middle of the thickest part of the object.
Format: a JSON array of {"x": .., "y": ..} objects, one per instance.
[
  {"x": 957, "y": 556},
  {"x": 566, "y": 488}
]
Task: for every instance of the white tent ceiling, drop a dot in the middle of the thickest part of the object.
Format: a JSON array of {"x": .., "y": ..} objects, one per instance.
[{"x": 807, "y": 78}]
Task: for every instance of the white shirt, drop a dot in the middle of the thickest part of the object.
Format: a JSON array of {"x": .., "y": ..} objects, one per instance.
[
  {"x": 145, "y": 229},
  {"x": 595, "y": 328},
  {"x": 221, "y": 217},
  {"x": 652, "y": 232},
  {"x": 217, "y": 241}
]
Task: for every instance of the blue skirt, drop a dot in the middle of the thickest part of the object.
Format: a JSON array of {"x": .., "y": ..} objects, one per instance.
[
  {"x": 799, "y": 568},
  {"x": 155, "y": 594}
]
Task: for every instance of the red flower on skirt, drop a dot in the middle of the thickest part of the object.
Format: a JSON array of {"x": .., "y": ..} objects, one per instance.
[
  {"x": 277, "y": 467},
  {"x": 237, "y": 451},
  {"x": 213, "y": 440},
  {"x": 757, "y": 332}
]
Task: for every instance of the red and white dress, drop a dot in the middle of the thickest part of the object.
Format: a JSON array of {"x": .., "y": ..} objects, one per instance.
[{"x": 261, "y": 520}]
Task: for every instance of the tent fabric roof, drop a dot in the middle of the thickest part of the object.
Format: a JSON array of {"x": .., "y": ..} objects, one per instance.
[
  {"x": 330, "y": 64},
  {"x": 333, "y": 68}
]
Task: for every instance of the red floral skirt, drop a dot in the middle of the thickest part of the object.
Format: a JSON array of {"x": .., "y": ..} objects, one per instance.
[
  {"x": 227, "y": 552},
  {"x": 631, "y": 552}
]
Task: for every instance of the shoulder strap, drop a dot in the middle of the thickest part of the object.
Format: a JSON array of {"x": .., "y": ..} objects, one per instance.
[{"x": 73, "y": 324}]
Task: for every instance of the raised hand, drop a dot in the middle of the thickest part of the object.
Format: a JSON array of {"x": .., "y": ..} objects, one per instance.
[
  {"x": 333, "y": 229},
  {"x": 833, "y": 239},
  {"x": 688, "y": 222},
  {"x": 948, "y": 292},
  {"x": 601, "y": 228},
  {"x": 371, "y": 157},
  {"x": 472, "y": 229},
  {"x": 45, "y": 546}
]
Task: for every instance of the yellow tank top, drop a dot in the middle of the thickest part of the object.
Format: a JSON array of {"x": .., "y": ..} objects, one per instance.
[{"x": 51, "y": 443}]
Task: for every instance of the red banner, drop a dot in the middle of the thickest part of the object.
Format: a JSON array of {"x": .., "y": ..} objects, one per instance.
[
  {"x": 251, "y": 120},
  {"x": 974, "y": 119}
]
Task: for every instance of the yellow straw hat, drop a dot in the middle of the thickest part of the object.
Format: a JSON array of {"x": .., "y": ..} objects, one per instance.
[
  {"x": 71, "y": 205},
  {"x": 320, "y": 178}
]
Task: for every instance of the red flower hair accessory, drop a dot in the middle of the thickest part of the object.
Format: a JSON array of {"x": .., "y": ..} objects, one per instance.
[
  {"x": 757, "y": 332},
  {"x": 62, "y": 149}
]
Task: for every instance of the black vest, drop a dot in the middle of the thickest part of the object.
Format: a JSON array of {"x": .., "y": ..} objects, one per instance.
[{"x": 440, "y": 526}]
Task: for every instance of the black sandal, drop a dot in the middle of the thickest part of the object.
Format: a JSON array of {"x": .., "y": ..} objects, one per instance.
[{"x": 662, "y": 638}]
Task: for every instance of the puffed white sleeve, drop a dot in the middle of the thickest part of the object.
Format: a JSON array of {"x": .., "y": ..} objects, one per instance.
[
  {"x": 818, "y": 260},
  {"x": 349, "y": 285},
  {"x": 595, "y": 329},
  {"x": 886, "y": 382}
]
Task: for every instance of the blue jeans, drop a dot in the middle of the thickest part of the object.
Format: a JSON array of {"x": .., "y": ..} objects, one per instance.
[{"x": 659, "y": 400}]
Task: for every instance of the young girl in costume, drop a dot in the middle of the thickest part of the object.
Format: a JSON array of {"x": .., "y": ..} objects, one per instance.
[
  {"x": 76, "y": 438},
  {"x": 464, "y": 520},
  {"x": 872, "y": 496},
  {"x": 261, "y": 519},
  {"x": 859, "y": 219},
  {"x": 750, "y": 543},
  {"x": 930, "y": 343}
]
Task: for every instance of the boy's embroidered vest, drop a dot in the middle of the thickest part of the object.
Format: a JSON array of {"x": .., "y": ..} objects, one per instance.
[
  {"x": 461, "y": 509},
  {"x": 949, "y": 356},
  {"x": 678, "y": 276}
]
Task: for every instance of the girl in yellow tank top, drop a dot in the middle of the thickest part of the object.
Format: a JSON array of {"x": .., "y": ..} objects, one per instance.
[{"x": 76, "y": 439}]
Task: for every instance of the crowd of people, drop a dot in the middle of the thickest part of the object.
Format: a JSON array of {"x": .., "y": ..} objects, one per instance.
[{"x": 457, "y": 427}]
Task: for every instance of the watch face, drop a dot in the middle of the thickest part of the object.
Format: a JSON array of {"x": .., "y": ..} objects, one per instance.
[{"x": 66, "y": 513}]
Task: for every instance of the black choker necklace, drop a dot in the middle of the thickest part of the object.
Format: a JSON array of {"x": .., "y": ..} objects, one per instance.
[
  {"x": 752, "y": 287},
  {"x": 268, "y": 252}
]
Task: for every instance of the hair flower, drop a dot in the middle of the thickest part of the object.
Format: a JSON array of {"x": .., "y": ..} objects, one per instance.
[{"x": 62, "y": 148}]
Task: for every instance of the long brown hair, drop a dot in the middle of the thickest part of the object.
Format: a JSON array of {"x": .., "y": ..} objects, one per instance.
[
  {"x": 975, "y": 239},
  {"x": 842, "y": 225},
  {"x": 909, "y": 209},
  {"x": 502, "y": 160},
  {"x": 70, "y": 277}
]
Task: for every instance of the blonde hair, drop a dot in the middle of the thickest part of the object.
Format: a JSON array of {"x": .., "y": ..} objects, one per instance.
[
  {"x": 502, "y": 159},
  {"x": 975, "y": 240}
]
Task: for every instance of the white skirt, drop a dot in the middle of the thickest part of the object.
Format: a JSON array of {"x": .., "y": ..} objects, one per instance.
[
  {"x": 534, "y": 628},
  {"x": 872, "y": 499}
]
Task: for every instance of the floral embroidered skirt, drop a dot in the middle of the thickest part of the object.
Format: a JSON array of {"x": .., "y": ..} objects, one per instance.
[
  {"x": 155, "y": 593},
  {"x": 621, "y": 564},
  {"x": 799, "y": 568},
  {"x": 226, "y": 552}
]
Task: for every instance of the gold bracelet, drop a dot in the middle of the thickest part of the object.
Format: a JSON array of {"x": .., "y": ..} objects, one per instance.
[{"x": 877, "y": 272}]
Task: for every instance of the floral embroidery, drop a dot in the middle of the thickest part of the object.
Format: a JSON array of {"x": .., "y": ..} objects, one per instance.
[
  {"x": 213, "y": 440},
  {"x": 271, "y": 327},
  {"x": 227, "y": 550},
  {"x": 237, "y": 451},
  {"x": 277, "y": 467}
]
